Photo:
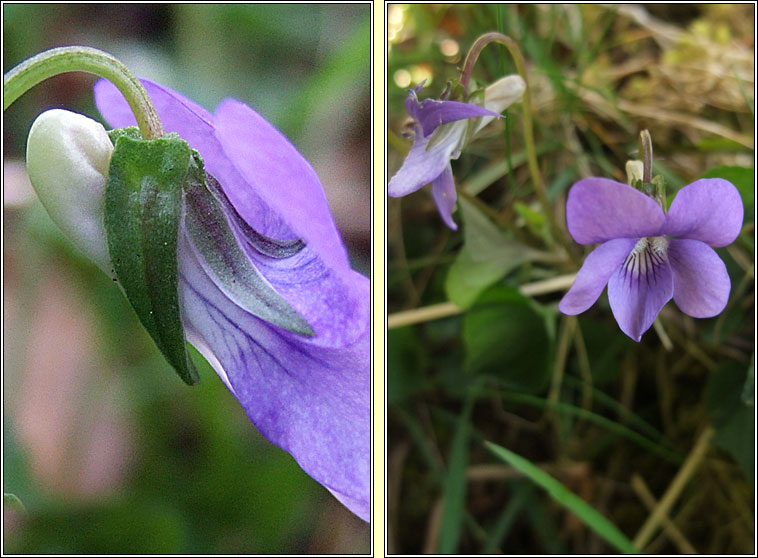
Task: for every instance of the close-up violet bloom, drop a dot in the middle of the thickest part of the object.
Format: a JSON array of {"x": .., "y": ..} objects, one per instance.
[
  {"x": 442, "y": 129},
  {"x": 646, "y": 256},
  {"x": 308, "y": 393}
]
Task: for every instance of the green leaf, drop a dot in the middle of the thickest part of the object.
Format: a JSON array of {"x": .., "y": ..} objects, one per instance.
[
  {"x": 586, "y": 513},
  {"x": 506, "y": 337},
  {"x": 223, "y": 258},
  {"x": 748, "y": 390},
  {"x": 143, "y": 208},
  {"x": 731, "y": 416},
  {"x": 487, "y": 256},
  {"x": 744, "y": 180}
]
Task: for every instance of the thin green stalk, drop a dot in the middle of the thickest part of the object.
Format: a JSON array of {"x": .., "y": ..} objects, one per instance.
[
  {"x": 586, "y": 513},
  {"x": 534, "y": 170},
  {"x": 84, "y": 59}
]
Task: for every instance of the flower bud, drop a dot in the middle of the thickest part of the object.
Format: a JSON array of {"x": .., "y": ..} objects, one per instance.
[
  {"x": 501, "y": 94},
  {"x": 67, "y": 158},
  {"x": 504, "y": 92},
  {"x": 634, "y": 170}
]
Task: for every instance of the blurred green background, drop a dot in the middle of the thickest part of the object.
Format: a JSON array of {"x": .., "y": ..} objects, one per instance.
[
  {"x": 105, "y": 447},
  {"x": 613, "y": 421}
]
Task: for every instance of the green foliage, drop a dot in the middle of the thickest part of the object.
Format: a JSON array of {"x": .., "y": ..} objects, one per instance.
[
  {"x": 487, "y": 256},
  {"x": 732, "y": 416},
  {"x": 455, "y": 482},
  {"x": 565, "y": 497},
  {"x": 406, "y": 365},
  {"x": 507, "y": 337}
]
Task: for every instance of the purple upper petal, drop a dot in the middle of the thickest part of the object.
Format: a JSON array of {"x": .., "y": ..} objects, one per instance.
[
  {"x": 701, "y": 283},
  {"x": 599, "y": 209},
  {"x": 443, "y": 191},
  {"x": 638, "y": 290},
  {"x": 709, "y": 209},
  {"x": 431, "y": 113},
  {"x": 597, "y": 269},
  {"x": 423, "y": 163}
]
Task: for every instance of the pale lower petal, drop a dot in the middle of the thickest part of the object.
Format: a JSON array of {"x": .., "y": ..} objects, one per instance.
[
  {"x": 709, "y": 209},
  {"x": 424, "y": 163},
  {"x": 637, "y": 292},
  {"x": 701, "y": 282},
  {"x": 592, "y": 278},
  {"x": 443, "y": 191},
  {"x": 310, "y": 400}
]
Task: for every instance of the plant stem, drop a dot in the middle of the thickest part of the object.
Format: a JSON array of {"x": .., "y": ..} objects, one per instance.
[
  {"x": 534, "y": 170},
  {"x": 84, "y": 59},
  {"x": 445, "y": 309},
  {"x": 646, "y": 150}
]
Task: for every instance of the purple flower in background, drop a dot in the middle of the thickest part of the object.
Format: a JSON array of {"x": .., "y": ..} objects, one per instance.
[
  {"x": 308, "y": 395},
  {"x": 441, "y": 131},
  {"x": 647, "y": 256}
]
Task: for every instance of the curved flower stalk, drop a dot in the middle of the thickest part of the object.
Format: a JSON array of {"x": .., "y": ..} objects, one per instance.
[
  {"x": 646, "y": 256},
  {"x": 308, "y": 392},
  {"x": 442, "y": 129}
]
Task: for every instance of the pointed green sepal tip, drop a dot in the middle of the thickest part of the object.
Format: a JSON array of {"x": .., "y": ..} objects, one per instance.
[
  {"x": 143, "y": 210},
  {"x": 218, "y": 234}
]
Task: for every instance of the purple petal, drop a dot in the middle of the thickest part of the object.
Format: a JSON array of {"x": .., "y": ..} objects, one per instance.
[
  {"x": 443, "y": 191},
  {"x": 597, "y": 269},
  {"x": 195, "y": 125},
  {"x": 599, "y": 209},
  {"x": 431, "y": 113},
  {"x": 310, "y": 400},
  {"x": 639, "y": 289},
  {"x": 423, "y": 165},
  {"x": 709, "y": 209},
  {"x": 278, "y": 174},
  {"x": 701, "y": 283}
]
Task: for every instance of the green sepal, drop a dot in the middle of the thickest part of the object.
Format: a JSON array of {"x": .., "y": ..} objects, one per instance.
[
  {"x": 143, "y": 211},
  {"x": 207, "y": 208}
]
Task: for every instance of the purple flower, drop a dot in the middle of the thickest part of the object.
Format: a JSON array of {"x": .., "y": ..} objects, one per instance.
[
  {"x": 647, "y": 257},
  {"x": 308, "y": 395},
  {"x": 441, "y": 131}
]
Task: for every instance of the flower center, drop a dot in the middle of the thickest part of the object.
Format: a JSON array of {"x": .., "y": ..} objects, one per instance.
[{"x": 646, "y": 256}]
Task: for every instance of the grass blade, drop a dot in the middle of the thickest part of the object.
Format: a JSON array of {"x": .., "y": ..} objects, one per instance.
[
  {"x": 586, "y": 513},
  {"x": 455, "y": 482}
]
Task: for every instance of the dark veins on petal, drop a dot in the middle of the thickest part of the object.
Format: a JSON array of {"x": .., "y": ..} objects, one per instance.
[{"x": 264, "y": 244}]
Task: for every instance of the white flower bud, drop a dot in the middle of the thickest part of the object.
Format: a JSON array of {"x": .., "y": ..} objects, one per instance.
[
  {"x": 634, "y": 171},
  {"x": 67, "y": 158},
  {"x": 500, "y": 95}
]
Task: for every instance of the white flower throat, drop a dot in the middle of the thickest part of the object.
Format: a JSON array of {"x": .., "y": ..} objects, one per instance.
[{"x": 648, "y": 253}]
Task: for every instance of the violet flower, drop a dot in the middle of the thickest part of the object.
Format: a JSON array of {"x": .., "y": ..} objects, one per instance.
[
  {"x": 647, "y": 257},
  {"x": 308, "y": 395},
  {"x": 442, "y": 129}
]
